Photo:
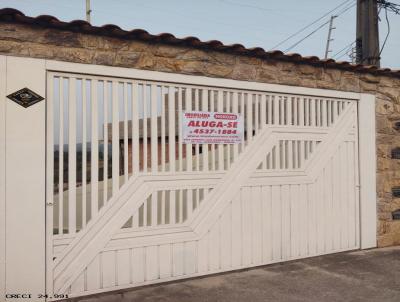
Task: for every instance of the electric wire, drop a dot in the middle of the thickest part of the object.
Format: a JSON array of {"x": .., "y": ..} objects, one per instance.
[
  {"x": 388, "y": 31},
  {"x": 320, "y": 27},
  {"x": 311, "y": 24},
  {"x": 309, "y": 35},
  {"x": 343, "y": 49}
]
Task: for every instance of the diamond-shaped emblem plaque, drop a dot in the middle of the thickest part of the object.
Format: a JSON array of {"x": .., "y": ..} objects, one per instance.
[{"x": 25, "y": 97}]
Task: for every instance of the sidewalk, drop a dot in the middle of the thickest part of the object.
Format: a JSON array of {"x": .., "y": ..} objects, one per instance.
[{"x": 372, "y": 275}]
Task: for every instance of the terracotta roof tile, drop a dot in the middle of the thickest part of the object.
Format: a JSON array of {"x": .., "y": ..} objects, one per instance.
[{"x": 15, "y": 16}]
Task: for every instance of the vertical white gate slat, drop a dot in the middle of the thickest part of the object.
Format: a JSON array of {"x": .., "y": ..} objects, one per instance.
[
  {"x": 171, "y": 128},
  {"x": 177, "y": 259},
  {"x": 72, "y": 156},
  {"x": 123, "y": 267},
  {"x": 285, "y": 189},
  {"x": 220, "y": 148},
  {"x": 344, "y": 195},
  {"x": 246, "y": 225},
  {"x": 267, "y": 223},
  {"x": 126, "y": 158},
  {"x": 212, "y": 109},
  {"x": 106, "y": 99},
  {"x": 172, "y": 204},
  {"x": 115, "y": 137},
  {"x": 84, "y": 152},
  {"x": 153, "y": 127},
  {"x": 204, "y": 107},
  {"x": 180, "y": 139},
  {"x": 196, "y": 146},
  {"x": 61, "y": 159},
  {"x": 50, "y": 181},
  {"x": 256, "y": 225},
  {"x": 226, "y": 239},
  {"x": 135, "y": 129},
  {"x": 276, "y": 223},
  {"x": 235, "y": 106},
  {"x": 188, "y": 107},
  {"x": 94, "y": 150},
  {"x": 163, "y": 105},
  {"x": 144, "y": 119}
]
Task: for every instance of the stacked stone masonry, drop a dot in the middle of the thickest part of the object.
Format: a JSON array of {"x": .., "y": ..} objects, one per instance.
[{"x": 39, "y": 42}]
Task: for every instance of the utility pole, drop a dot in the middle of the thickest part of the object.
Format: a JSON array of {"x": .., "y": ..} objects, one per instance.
[
  {"x": 328, "y": 41},
  {"x": 88, "y": 11},
  {"x": 367, "y": 37}
]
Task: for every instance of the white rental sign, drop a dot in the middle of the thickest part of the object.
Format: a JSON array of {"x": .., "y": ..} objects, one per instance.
[{"x": 201, "y": 127}]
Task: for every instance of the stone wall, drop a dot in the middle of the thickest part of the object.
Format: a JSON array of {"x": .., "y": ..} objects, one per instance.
[{"x": 37, "y": 42}]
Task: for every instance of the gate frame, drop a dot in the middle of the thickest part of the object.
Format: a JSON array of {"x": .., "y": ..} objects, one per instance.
[{"x": 40, "y": 230}]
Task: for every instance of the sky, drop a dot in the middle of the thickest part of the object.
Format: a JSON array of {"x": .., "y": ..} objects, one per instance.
[{"x": 261, "y": 23}]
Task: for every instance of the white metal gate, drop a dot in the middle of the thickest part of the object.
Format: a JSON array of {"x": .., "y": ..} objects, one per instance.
[{"x": 132, "y": 205}]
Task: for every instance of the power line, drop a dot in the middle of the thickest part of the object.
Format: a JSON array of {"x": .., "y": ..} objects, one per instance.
[
  {"x": 343, "y": 49},
  {"x": 310, "y": 34},
  {"x": 311, "y": 24},
  {"x": 388, "y": 31},
  {"x": 320, "y": 27}
]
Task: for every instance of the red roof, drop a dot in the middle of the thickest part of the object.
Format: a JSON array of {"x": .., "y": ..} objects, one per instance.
[{"x": 10, "y": 15}]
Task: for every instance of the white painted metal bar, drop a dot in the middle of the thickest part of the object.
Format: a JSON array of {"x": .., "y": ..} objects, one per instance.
[
  {"x": 275, "y": 114},
  {"x": 61, "y": 159},
  {"x": 290, "y": 155},
  {"x": 228, "y": 147},
  {"x": 301, "y": 112},
  {"x": 220, "y": 106},
  {"x": 212, "y": 146},
  {"x": 171, "y": 128},
  {"x": 135, "y": 129},
  {"x": 235, "y": 106},
  {"x": 312, "y": 113},
  {"x": 306, "y": 112},
  {"x": 84, "y": 151},
  {"x": 115, "y": 138},
  {"x": 153, "y": 133},
  {"x": 242, "y": 112},
  {"x": 335, "y": 112},
  {"x": 189, "y": 202},
  {"x": 172, "y": 207},
  {"x": 72, "y": 155},
  {"x": 250, "y": 125},
  {"x": 126, "y": 142},
  {"x": 295, "y": 111},
  {"x": 322, "y": 114},
  {"x": 188, "y": 107},
  {"x": 145, "y": 211},
  {"x": 270, "y": 109},
  {"x": 197, "y": 146},
  {"x": 281, "y": 110},
  {"x": 181, "y": 209},
  {"x": 180, "y": 139},
  {"x": 163, "y": 207},
  {"x": 144, "y": 119},
  {"x": 154, "y": 214},
  {"x": 50, "y": 148},
  {"x": 163, "y": 88},
  {"x": 106, "y": 100},
  {"x": 288, "y": 110},
  {"x": 94, "y": 150},
  {"x": 204, "y": 107},
  {"x": 256, "y": 114}
]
